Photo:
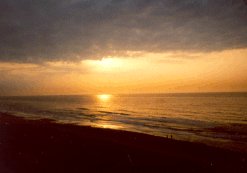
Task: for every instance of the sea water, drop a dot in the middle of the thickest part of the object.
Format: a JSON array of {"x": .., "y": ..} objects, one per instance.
[{"x": 216, "y": 119}]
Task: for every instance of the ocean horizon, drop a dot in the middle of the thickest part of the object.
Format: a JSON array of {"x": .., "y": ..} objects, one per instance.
[{"x": 215, "y": 119}]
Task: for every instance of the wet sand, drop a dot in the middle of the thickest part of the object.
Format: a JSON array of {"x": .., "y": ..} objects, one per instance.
[{"x": 44, "y": 146}]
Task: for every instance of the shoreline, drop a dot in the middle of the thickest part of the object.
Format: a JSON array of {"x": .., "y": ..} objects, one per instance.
[{"x": 45, "y": 146}]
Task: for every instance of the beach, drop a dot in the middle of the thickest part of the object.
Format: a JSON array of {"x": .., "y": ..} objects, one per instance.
[
  {"x": 126, "y": 86},
  {"x": 45, "y": 146}
]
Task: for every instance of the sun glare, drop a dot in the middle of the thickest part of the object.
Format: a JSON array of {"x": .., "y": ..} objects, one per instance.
[
  {"x": 110, "y": 62},
  {"x": 104, "y": 97},
  {"x": 106, "y": 61}
]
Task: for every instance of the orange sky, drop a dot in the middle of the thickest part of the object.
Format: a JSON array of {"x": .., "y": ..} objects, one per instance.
[{"x": 152, "y": 73}]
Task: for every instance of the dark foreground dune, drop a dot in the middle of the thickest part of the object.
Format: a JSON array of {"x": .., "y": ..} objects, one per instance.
[{"x": 44, "y": 146}]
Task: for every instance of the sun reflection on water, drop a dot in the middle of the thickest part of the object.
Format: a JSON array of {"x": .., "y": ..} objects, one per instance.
[
  {"x": 109, "y": 126},
  {"x": 104, "y": 97}
]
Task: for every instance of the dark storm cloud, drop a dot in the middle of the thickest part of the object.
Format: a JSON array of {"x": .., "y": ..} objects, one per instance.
[{"x": 70, "y": 30}]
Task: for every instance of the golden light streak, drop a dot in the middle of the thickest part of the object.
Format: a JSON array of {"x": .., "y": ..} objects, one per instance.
[
  {"x": 108, "y": 126},
  {"x": 104, "y": 97}
]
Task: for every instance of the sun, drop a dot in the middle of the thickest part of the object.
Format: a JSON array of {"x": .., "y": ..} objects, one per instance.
[
  {"x": 110, "y": 63},
  {"x": 106, "y": 62}
]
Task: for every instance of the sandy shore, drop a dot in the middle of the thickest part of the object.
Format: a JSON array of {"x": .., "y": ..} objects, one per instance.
[{"x": 44, "y": 146}]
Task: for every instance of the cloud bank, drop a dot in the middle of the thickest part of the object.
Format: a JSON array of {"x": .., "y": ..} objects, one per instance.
[{"x": 37, "y": 31}]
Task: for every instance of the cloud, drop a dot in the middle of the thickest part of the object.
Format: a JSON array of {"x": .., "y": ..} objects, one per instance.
[
  {"x": 38, "y": 31},
  {"x": 16, "y": 78}
]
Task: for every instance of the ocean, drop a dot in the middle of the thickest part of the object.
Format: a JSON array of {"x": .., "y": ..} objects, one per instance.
[{"x": 215, "y": 119}]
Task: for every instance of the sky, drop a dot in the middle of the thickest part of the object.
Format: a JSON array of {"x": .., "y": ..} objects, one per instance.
[{"x": 63, "y": 47}]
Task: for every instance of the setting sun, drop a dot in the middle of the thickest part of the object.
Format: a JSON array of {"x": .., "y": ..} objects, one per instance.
[
  {"x": 149, "y": 80},
  {"x": 106, "y": 62},
  {"x": 110, "y": 62}
]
